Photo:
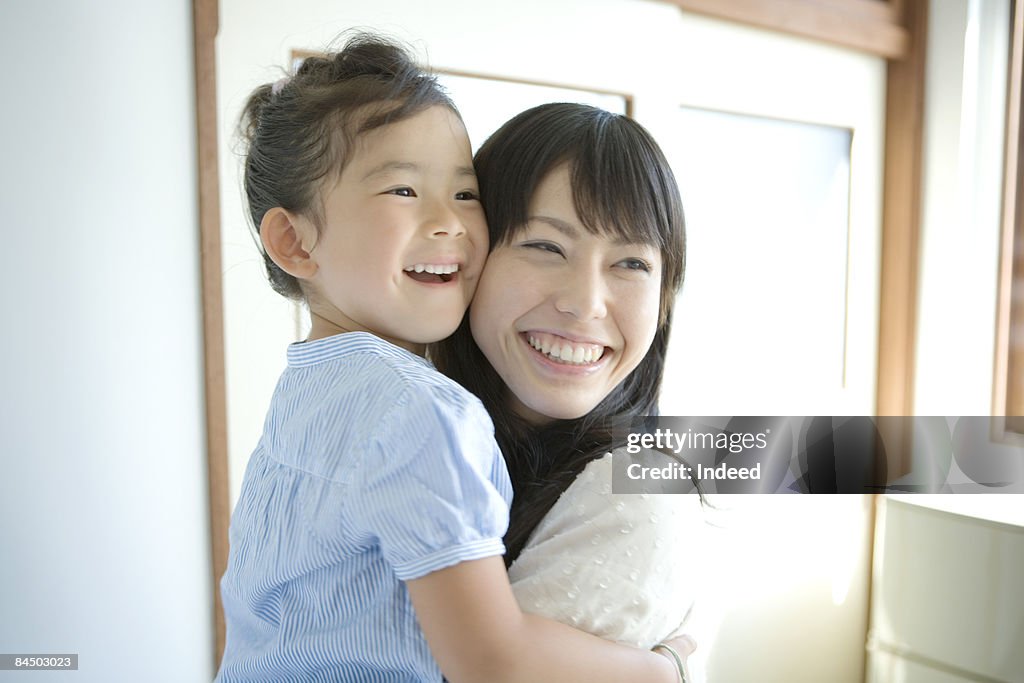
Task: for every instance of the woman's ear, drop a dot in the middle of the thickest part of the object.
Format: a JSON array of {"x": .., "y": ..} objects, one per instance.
[{"x": 283, "y": 235}]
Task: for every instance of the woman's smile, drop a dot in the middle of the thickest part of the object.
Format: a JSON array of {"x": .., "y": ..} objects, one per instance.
[
  {"x": 563, "y": 359},
  {"x": 580, "y": 316},
  {"x": 562, "y": 350}
]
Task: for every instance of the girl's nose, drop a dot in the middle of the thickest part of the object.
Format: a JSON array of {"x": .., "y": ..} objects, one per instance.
[{"x": 445, "y": 223}]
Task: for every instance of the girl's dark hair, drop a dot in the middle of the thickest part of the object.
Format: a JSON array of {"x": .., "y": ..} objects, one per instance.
[
  {"x": 298, "y": 132},
  {"x": 623, "y": 188}
]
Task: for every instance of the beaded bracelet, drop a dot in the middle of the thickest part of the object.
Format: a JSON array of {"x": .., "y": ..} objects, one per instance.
[{"x": 675, "y": 655}]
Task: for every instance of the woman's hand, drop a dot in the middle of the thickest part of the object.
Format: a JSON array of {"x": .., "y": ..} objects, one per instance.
[{"x": 682, "y": 645}]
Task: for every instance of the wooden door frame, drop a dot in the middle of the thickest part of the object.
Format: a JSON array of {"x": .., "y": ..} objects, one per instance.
[
  {"x": 873, "y": 26},
  {"x": 1008, "y": 389},
  {"x": 206, "y": 23}
]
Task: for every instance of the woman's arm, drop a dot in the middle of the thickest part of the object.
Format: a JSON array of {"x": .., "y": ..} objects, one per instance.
[{"x": 477, "y": 633}]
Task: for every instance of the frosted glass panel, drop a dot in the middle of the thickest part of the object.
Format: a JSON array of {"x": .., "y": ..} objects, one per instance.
[
  {"x": 486, "y": 103},
  {"x": 760, "y": 324}
]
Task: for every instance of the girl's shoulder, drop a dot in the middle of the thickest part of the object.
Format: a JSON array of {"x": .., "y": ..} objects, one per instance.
[{"x": 360, "y": 362}]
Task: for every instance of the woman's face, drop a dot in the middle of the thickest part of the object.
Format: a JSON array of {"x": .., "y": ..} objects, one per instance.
[{"x": 564, "y": 315}]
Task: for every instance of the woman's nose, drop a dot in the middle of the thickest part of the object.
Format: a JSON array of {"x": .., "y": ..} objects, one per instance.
[{"x": 584, "y": 295}]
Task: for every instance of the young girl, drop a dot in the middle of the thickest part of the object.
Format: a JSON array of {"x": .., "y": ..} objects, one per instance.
[{"x": 366, "y": 542}]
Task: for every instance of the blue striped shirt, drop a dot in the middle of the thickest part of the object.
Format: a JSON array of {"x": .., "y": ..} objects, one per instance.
[{"x": 373, "y": 469}]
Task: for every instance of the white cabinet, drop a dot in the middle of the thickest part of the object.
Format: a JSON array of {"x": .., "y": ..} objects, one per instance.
[{"x": 948, "y": 596}]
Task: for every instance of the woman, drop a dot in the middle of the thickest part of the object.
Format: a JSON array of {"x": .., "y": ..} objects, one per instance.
[{"x": 565, "y": 341}]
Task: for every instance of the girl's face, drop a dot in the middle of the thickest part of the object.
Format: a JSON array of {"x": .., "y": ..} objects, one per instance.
[
  {"x": 561, "y": 314},
  {"x": 404, "y": 235}
]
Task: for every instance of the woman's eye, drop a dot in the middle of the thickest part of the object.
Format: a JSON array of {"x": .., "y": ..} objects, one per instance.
[
  {"x": 466, "y": 196},
  {"x": 636, "y": 264},
  {"x": 549, "y": 247},
  {"x": 403, "y": 192}
]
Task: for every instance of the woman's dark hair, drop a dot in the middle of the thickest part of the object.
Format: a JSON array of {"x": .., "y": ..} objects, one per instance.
[
  {"x": 298, "y": 131},
  {"x": 622, "y": 188}
]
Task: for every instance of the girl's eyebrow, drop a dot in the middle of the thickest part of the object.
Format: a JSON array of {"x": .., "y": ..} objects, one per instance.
[{"x": 390, "y": 166}]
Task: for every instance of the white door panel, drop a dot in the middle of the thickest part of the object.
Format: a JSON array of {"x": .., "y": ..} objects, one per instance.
[{"x": 778, "y": 150}]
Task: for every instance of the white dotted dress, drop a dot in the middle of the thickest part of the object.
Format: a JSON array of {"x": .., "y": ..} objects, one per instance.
[{"x": 624, "y": 567}]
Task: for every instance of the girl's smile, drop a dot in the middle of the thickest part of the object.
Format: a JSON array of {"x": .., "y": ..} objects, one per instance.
[
  {"x": 433, "y": 273},
  {"x": 404, "y": 236}
]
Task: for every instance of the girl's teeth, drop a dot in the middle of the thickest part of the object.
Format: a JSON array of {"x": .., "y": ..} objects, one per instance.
[
  {"x": 567, "y": 352},
  {"x": 447, "y": 269}
]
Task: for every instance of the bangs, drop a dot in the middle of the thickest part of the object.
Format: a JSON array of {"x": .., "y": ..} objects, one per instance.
[
  {"x": 623, "y": 188},
  {"x": 620, "y": 200}
]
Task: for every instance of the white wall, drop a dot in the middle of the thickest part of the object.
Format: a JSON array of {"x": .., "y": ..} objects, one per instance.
[{"x": 102, "y": 499}]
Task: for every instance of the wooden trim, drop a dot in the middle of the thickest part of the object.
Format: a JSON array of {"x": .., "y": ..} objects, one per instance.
[
  {"x": 901, "y": 224},
  {"x": 206, "y": 23},
  {"x": 1008, "y": 381},
  {"x": 871, "y": 26},
  {"x": 876, "y": 520}
]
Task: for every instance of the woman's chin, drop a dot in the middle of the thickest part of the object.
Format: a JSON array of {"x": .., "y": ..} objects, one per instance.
[{"x": 540, "y": 411}]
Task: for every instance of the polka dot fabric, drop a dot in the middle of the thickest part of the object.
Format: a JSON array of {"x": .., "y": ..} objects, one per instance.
[{"x": 625, "y": 567}]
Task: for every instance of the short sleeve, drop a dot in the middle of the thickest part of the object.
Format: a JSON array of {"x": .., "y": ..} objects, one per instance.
[
  {"x": 432, "y": 486},
  {"x": 620, "y": 566}
]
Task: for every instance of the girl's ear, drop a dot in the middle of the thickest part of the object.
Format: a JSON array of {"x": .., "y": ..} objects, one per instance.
[{"x": 283, "y": 235}]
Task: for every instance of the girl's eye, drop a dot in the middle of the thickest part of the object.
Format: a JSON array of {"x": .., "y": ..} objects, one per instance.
[
  {"x": 403, "y": 192},
  {"x": 636, "y": 264},
  {"x": 549, "y": 247},
  {"x": 466, "y": 196}
]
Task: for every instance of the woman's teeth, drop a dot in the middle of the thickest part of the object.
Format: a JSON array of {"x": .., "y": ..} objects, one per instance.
[
  {"x": 566, "y": 351},
  {"x": 432, "y": 268}
]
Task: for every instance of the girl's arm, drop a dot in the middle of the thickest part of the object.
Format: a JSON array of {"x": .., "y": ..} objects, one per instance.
[{"x": 477, "y": 633}]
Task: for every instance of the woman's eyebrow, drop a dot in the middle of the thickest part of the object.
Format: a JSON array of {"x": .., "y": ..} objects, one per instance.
[
  {"x": 571, "y": 232},
  {"x": 558, "y": 224}
]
